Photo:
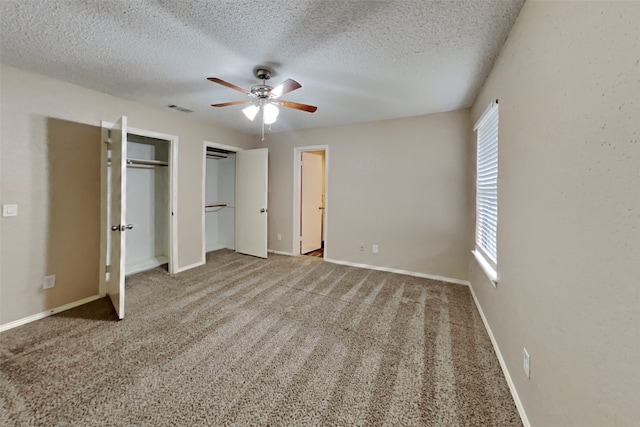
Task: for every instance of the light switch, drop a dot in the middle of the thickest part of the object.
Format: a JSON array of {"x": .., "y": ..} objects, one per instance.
[{"x": 9, "y": 210}]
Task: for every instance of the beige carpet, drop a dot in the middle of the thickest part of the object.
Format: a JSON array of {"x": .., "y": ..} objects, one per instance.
[{"x": 246, "y": 341}]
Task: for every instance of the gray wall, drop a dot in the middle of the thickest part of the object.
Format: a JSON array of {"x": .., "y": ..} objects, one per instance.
[
  {"x": 568, "y": 83},
  {"x": 402, "y": 184}
]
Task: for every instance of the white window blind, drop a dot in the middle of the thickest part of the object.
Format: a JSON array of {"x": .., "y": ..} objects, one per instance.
[{"x": 487, "y": 188}]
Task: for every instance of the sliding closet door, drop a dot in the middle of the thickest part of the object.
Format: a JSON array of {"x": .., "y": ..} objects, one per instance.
[
  {"x": 251, "y": 202},
  {"x": 117, "y": 189}
]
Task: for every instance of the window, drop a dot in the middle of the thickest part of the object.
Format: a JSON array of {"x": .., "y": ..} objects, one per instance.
[{"x": 486, "y": 248}]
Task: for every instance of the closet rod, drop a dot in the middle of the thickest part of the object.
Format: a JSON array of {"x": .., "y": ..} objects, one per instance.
[
  {"x": 218, "y": 205},
  {"x": 215, "y": 156},
  {"x": 146, "y": 162}
]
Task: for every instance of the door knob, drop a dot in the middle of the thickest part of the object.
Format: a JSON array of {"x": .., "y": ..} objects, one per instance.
[
  {"x": 263, "y": 210},
  {"x": 121, "y": 227}
]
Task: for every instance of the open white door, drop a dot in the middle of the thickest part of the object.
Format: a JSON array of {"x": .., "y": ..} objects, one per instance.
[
  {"x": 311, "y": 208},
  {"x": 117, "y": 216},
  {"x": 251, "y": 202}
]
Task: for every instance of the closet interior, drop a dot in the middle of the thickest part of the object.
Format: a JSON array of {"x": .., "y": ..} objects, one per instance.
[
  {"x": 147, "y": 203},
  {"x": 220, "y": 196}
]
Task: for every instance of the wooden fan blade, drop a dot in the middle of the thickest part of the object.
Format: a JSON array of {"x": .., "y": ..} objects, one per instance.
[
  {"x": 298, "y": 106},
  {"x": 227, "y": 104},
  {"x": 227, "y": 84},
  {"x": 286, "y": 86}
]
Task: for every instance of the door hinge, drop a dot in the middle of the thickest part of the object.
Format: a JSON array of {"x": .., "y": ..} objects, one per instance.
[
  {"x": 301, "y": 238},
  {"x": 107, "y": 269}
]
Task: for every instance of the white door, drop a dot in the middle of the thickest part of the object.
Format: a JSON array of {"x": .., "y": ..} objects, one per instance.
[
  {"x": 311, "y": 208},
  {"x": 251, "y": 202},
  {"x": 117, "y": 195}
]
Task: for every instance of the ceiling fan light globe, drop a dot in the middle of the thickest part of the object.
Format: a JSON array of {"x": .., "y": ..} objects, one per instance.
[
  {"x": 251, "y": 111},
  {"x": 270, "y": 112}
]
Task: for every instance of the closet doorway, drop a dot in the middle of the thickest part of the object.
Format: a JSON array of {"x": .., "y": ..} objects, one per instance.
[
  {"x": 234, "y": 199},
  {"x": 310, "y": 200},
  {"x": 219, "y": 197},
  {"x": 148, "y": 208},
  {"x": 138, "y": 205}
]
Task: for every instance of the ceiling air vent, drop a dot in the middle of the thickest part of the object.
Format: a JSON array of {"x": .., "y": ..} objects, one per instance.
[{"x": 184, "y": 110}]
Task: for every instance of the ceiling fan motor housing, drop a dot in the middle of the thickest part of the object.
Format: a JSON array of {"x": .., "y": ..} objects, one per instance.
[{"x": 261, "y": 91}]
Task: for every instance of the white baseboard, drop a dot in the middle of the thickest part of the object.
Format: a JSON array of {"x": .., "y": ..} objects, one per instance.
[
  {"x": 279, "y": 252},
  {"x": 189, "y": 267},
  {"x": 503, "y": 365},
  {"x": 48, "y": 313},
  {"x": 396, "y": 270},
  {"x": 146, "y": 265}
]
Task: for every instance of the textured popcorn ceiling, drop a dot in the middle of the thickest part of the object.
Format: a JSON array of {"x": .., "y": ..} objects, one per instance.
[{"x": 356, "y": 60}]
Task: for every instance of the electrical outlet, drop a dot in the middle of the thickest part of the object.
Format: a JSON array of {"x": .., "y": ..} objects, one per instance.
[
  {"x": 9, "y": 210},
  {"x": 48, "y": 282},
  {"x": 374, "y": 249},
  {"x": 279, "y": 236},
  {"x": 527, "y": 364},
  {"x": 361, "y": 247}
]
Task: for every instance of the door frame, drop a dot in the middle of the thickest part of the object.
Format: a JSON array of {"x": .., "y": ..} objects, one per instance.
[
  {"x": 211, "y": 144},
  {"x": 297, "y": 182},
  {"x": 173, "y": 197}
]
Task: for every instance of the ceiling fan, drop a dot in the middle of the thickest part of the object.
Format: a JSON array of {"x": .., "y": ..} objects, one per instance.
[{"x": 264, "y": 98}]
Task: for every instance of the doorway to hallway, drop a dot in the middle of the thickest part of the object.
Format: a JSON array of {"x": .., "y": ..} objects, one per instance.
[{"x": 310, "y": 201}]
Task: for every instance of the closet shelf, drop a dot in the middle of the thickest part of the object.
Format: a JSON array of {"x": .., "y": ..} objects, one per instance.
[{"x": 146, "y": 162}]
